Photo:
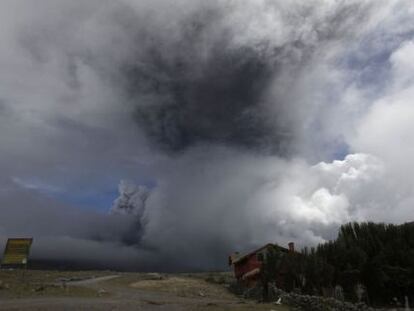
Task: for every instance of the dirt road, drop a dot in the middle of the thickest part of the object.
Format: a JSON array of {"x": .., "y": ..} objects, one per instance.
[{"x": 92, "y": 280}]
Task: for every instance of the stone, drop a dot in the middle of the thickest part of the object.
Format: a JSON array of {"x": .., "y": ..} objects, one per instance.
[{"x": 102, "y": 292}]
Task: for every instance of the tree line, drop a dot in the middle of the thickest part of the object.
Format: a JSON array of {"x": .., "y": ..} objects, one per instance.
[{"x": 369, "y": 262}]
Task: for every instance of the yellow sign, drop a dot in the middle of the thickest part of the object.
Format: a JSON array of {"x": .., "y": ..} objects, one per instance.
[{"x": 17, "y": 251}]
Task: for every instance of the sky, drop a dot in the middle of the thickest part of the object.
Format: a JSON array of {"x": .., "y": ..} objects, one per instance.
[{"x": 164, "y": 135}]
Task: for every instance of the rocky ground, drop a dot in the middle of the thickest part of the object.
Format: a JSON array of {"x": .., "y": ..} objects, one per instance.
[
  {"x": 298, "y": 302},
  {"x": 106, "y": 290}
]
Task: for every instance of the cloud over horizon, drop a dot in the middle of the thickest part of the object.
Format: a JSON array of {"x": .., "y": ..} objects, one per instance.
[{"x": 226, "y": 125}]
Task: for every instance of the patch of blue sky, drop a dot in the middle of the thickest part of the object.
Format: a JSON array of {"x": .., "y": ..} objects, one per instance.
[
  {"x": 35, "y": 184},
  {"x": 340, "y": 150},
  {"x": 98, "y": 197},
  {"x": 335, "y": 148},
  {"x": 95, "y": 199},
  {"x": 89, "y": 195},
  {"x": 368, "y": 61},
  {"x": 367, "y": 68}
]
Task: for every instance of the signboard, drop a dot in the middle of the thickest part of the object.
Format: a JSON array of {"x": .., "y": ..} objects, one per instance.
[{"x": 17, "y": 252}]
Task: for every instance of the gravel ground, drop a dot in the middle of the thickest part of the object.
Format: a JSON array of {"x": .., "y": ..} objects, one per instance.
[{"x": 136, "y": 291}]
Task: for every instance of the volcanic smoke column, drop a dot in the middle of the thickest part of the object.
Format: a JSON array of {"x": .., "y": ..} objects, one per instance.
[{"x": 131, "y": 200}]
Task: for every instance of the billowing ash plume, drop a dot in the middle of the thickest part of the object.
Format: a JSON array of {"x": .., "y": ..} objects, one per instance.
[
  {"x": 210, "y": 96},
  {"x": 131, "y": 200},
  {"x": 131, "y": 203},
  {"x": 202, "y": 79},
  {"x": 253, "y": 122}
]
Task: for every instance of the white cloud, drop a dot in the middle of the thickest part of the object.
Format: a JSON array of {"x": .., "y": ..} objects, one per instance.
[{"x": 387, "y": 130}]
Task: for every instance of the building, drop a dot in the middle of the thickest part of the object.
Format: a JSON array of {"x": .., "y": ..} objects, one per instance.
[{"x": 248, "y": 268}]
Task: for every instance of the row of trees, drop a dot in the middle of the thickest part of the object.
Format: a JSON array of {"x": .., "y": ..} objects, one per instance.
[{"x": 369, "y": 261}]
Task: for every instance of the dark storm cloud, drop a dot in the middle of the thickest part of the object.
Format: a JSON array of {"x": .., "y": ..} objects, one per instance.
[
  {"x": 215, "y": 99},
  {"x": 191, "y": 76},
  {"x": 211, "y": 96},
  {"x": 218, "y": 104},
  {"x": 200, "y": 87}
]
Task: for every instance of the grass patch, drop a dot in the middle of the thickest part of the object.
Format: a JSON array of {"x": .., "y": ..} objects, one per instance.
[
  {"x": 184, "y": 287},
  {"x": 38, "y": 283}
]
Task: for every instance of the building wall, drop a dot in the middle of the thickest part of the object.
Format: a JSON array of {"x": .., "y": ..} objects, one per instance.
[
  {"x": 246, "y": 265},
  {"x": 283, "y": 278}
]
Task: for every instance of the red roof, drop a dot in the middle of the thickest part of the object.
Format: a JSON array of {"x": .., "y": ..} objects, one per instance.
[{"x": 242, "y": 258}]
